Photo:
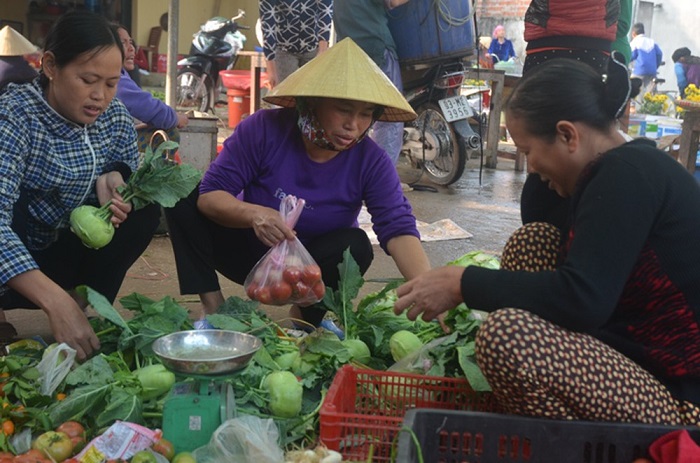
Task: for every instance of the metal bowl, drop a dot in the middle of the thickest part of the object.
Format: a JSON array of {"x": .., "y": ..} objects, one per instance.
[{"x": 206, "y": 352}]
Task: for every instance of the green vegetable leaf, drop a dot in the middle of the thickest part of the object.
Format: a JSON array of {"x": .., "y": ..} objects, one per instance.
[
  {"x": 159, "y": 180},
  {"x": 226, "y": 322},
  {"x": 80, "y": 402},
  {"x": 472, "y": 372},
  {"x": 102, "y": 306},
  {"x": 124, "y": 405},
  {"x": 478, "y": 258},
  {"x": 340, "y": 301},
  {"x": 94, "y": 371}
]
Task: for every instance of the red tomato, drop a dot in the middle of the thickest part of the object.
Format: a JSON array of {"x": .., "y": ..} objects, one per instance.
[
  {"x": 301, "y": 290},
  {"x": 291, "y": 274},
  {"x": 165, "y": 448},
  {"x": 31, "y": 456},
  {"x": 319, "y": 290},
  {"x": 263, "y": 295},
  {"x": 311, "y": 274},
  {"x": 72, "y": 429},
  {"x": 281, "y": 291},
  {"x": 78, "y": 443},
  {"x": 250, "y": 291}
]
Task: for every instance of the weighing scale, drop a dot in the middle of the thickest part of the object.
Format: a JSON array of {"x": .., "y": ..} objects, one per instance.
[{"x": 204, "y": 359}]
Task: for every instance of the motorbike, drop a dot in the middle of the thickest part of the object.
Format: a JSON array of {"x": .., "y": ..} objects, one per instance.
[
  {"x": 214, "y": 48},
  {"x": 438, "y": 143}
]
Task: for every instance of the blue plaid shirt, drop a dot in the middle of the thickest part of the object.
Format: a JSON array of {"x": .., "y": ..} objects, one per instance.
[
  {"x": 295, "y": 26},
  {"x": 54, "y": 163}
]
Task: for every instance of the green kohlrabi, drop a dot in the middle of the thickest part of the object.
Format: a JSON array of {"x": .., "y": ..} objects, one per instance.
[
  {"x": 157, "y": 180},
  {"x": 284, "y": 393}
]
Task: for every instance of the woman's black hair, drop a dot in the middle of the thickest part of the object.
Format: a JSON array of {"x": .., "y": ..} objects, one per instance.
[
  {"x": 680, "y": 53},
  {"x": 565, "y": 89},
  {"x": 78, "y": 32}
]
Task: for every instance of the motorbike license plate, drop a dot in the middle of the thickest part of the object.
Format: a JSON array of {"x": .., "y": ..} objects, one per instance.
[{"x": 455, "y": 108}]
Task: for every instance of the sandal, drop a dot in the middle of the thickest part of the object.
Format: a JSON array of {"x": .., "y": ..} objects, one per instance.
[{"x": 326, "y": 324}]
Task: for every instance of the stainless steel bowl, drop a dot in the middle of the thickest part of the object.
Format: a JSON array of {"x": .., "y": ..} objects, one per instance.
[{"x": 206, "y": 352}]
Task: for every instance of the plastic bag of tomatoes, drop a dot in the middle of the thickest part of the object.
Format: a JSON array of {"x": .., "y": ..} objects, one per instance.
[{"x": 286, "y": 274}]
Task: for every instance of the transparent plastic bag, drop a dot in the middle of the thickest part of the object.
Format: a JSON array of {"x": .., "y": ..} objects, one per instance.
[
  {"x": 54, "y": 367},
  {"x": 246, "y": 439},
  {"x": 286, "y": 274}
]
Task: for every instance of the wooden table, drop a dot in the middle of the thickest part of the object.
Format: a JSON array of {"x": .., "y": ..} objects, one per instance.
[
  {"x": 495, "y": 79},
  {"x": 690, "y": 130},
  {"x": 257, "y": 64}
]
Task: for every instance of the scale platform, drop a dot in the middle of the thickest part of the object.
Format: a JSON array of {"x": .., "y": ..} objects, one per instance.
[{"x": 205, "y": 359}]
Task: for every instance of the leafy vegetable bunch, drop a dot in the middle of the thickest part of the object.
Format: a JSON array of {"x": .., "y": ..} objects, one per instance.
[{"x": 157, "y": 180}]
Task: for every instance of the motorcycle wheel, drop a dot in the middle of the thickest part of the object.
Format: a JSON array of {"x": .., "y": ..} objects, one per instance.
[
  {"x": 195, "y": 90},
  {"x": 450, "y": 158}
]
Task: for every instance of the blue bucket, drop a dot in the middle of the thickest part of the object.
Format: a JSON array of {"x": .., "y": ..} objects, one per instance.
[{"x": 426, "y": 30}]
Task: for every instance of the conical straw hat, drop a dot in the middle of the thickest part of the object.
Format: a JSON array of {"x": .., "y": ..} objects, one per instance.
[
  {"x": 344, "y": 71},
  {"x": 12, "y": 43}
]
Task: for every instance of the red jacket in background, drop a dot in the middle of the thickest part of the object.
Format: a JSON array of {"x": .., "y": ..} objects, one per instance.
[{"x": 571, "y": 23}]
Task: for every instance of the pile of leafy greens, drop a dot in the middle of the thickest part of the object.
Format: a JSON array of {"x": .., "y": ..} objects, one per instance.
[{"x": 106, "y": 388}]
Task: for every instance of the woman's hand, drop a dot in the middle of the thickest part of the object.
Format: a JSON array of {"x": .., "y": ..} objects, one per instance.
[
  {"x": 66, "y": 318},
  {"x": 69, "y": 324},
  {"x": 430, "y": 293},
  {"x": 106, "y": 187},
  {"x": 270, "y": 228},
  {"x": 182, "y": 120}
]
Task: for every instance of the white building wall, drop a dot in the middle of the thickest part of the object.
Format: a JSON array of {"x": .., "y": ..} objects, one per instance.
[{"x": 676, "y": 24}]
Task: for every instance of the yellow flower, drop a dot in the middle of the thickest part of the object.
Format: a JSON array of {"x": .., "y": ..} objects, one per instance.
[{"x": 654, "y": 104}]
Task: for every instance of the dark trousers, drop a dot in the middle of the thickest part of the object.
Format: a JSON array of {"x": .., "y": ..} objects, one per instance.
[
  {"x": 69, "y": 263},
  {"x": 202, "y": 248}
]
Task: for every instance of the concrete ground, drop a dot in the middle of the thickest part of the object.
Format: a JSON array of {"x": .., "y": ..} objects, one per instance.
[{"x": 485, "y": 204}]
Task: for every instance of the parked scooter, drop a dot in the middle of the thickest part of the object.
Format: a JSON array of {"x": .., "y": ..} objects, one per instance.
[
  {"x": 438, "y": 142},
  {"x": 214, "y": 48}
]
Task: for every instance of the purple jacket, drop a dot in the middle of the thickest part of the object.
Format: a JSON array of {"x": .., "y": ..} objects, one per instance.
[
  {"x": 15, "y": 69},
  {"x": 143, "y": 106},
  {"x": 265, "y": 158}
]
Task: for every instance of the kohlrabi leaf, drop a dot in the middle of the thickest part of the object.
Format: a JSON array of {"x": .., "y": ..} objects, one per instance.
[
  {"x": 102, "y": 306},
  {"x": 160, "y": 180}
]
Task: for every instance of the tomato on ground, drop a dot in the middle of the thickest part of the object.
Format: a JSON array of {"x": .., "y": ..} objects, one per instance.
[
  {"x": 165, "y": 448},
  {"x": 144, "y": 456},
  {"x": 72, "y": 429},
  {"x": 54, "y": 444}
]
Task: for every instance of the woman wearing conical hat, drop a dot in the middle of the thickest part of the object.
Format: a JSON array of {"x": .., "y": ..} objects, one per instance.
[
  {"x": 13, "y": 67},
  {"x": 316, "y": 148}
]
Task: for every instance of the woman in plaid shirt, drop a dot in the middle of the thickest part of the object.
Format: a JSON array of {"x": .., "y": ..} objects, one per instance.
[{"x": 65, "y": 141}]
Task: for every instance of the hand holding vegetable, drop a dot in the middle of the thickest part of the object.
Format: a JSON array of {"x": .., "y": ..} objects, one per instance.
[
  {"x": 157, "y": 180},
  {"x": 66, "y": 318},
  {"x": 70, "y": 325},
  {"x": 107, "y": 186},
  {"x": 430, "y": 293}
]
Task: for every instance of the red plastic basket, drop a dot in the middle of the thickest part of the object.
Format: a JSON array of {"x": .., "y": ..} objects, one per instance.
[{"x": 364, "y": 409}]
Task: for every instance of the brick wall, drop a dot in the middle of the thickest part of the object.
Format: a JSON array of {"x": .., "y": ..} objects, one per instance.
[{"x": 501, "y": 9}]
